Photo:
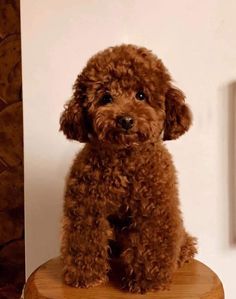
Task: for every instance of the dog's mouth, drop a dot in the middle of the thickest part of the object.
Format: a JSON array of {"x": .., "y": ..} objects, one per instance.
[
  {"x": 111, "y": 133},
  {"x": 124, "y": 137}
]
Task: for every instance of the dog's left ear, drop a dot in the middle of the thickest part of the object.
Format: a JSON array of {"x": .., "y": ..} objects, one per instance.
[{"x": 178, "y": 115}]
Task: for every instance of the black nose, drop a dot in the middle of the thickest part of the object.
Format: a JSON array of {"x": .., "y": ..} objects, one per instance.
[{"x": 126, "y": 122}]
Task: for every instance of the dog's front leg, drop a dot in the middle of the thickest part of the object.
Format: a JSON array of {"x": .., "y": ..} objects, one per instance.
[
  {"x": 85, "y": 238},
  {"x": 150, "y": 251}
]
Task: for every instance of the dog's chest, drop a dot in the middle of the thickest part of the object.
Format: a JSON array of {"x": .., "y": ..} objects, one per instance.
[
  {"x": 117, "y": 185},
  {"x": 119, "y": 177}
]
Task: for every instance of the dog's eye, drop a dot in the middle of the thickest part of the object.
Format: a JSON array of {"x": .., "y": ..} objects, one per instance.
[
  {"x": 106, "y": 99},
  {"x": 140, "y": 95}
]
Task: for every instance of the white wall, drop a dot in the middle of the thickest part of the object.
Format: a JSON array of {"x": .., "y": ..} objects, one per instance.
[{"x": 196, "y": 40}]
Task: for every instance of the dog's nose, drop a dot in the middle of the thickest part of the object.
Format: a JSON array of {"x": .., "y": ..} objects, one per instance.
[{"x": 126, "y": 122}]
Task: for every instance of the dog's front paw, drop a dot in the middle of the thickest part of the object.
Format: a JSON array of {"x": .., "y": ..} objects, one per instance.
[
  {"x": 133, "y": 287},
  {"x": 136, "y": 286},
  {"x": 143, "y": 285},
  {"x": 78, "y": 281}
]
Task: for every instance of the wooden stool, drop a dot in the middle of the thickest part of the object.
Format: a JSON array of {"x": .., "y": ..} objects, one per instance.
[{"x": 193, "y": 280}]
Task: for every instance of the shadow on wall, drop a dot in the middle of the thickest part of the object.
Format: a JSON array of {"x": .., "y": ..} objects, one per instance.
[{"x": 231, "y": 126}]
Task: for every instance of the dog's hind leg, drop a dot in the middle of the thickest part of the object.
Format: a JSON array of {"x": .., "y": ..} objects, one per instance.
[{"x": 188, "y": 249}]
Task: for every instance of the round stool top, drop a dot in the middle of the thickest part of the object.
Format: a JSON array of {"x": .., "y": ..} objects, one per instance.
[{"x": 194, "y": 280}]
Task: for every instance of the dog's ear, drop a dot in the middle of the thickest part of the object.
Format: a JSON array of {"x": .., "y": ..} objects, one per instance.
[
  {"x": 73, "y": 121},
  {"x": 178, "y": 115}
]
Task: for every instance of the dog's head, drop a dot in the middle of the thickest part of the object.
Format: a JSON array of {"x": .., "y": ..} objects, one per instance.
[{"x": 124, "y": 96}]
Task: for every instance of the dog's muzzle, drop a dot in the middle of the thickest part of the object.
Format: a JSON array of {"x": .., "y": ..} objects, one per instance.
[{"x": 125, "y": 122}]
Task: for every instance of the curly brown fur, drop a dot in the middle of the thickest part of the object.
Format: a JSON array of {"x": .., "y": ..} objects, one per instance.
[{"x": 122, "y": 185}]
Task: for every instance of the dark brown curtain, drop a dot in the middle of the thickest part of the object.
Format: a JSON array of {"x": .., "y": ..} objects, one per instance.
[{"x": 11, "y": 153}]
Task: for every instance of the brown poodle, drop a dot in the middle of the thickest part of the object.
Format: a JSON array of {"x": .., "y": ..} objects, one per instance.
[{"x": 121, "y": 196}]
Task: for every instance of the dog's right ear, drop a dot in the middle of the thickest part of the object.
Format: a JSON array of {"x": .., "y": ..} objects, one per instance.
[{"x": 72, "y": 121}]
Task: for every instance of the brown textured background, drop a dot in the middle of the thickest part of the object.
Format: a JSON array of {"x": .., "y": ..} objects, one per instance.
[{"x": 11, "y": 153}]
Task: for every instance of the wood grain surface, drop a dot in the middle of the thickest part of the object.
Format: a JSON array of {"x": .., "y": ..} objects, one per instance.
[
  {"x": 12, "y": 252},
  {"x": 194, "y": 280}
]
